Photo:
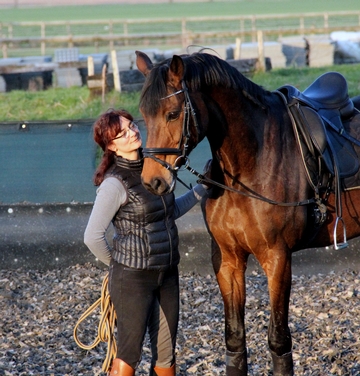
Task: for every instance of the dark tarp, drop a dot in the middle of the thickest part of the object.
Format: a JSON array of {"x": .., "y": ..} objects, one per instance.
[
  {"x": 47, "y": 162},
  {"x": 46, "y": 192}
]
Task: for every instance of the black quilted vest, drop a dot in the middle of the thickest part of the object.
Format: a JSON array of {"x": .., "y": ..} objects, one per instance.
[{"x": 146, "y": 235}]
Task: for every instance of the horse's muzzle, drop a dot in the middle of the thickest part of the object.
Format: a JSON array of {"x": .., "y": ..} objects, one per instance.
[{"x": 159, "y": 186}]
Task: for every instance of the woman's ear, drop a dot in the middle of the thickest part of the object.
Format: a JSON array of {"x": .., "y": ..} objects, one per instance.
[{"x": 112, "y": 147}]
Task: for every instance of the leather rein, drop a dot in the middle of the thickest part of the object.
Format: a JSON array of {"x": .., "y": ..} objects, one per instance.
[{"x": 183, "y": 152}]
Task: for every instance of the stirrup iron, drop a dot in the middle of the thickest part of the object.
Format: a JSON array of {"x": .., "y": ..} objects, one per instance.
[{"x": 344, "y": 244}]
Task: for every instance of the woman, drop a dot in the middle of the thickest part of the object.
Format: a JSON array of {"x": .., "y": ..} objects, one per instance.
[{"x": 143, "y": 262}]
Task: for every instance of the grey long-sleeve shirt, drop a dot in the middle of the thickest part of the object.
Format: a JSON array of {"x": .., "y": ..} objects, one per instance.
[{"x": 112, "y": 194}]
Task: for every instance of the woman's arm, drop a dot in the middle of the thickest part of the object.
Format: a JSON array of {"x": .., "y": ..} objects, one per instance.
[
  {"x": 186, "y": 201},
  {"x": 109, "y": 197}
]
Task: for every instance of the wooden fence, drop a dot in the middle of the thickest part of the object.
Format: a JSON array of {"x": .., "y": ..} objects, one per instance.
[{"x": 179, "y": 32}]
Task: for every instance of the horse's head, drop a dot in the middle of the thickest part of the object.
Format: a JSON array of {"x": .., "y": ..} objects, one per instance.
[{"x": 172, "y": 129}]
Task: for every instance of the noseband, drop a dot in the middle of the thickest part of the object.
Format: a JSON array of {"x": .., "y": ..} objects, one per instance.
[{"x": 181, "y": 151}]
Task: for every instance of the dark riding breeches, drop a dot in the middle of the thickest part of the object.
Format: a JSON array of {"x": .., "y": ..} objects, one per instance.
[{"x": 145, "y": 300}]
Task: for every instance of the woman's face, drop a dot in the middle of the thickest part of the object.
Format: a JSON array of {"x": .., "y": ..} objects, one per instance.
[{"x": 127, "y": 141}]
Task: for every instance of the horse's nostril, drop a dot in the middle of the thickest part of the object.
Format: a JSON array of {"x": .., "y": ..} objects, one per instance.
[
  {"x": 159, "y": 186},
  {"x": 146, "y": 185},
  {"x": 156, "y": 186}
]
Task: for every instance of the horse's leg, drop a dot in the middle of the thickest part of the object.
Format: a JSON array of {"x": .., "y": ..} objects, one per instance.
[
  {"x": 230, "y": 274},
  {"x": 278, "y": 272}
]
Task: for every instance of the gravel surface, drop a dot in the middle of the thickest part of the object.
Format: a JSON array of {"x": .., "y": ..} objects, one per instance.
[{"x": 39, "y": 311}]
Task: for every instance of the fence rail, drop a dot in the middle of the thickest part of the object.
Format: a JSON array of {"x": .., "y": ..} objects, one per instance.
[{"x": 172, "y": 31}]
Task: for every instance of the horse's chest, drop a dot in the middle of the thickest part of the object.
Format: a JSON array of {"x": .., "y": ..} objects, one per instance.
[
  {"x": 243, "y": 222},
  {"x": 224, "y": 215}
]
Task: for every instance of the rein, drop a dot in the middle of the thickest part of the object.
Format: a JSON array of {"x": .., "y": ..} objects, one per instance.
[
  {"x": 204, "y": 179},
  {"x": 183, "y": 160}
]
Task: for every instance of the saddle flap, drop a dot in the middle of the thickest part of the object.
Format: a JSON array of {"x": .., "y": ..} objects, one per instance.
[
  {"x": 344, "y": 152},
  {"x": 315, "y": 128},
  {"x": 329, "y": 144}
]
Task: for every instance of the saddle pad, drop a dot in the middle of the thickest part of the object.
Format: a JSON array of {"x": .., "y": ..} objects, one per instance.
[
  {"x": 344, "y": 152},
  {"x": 353, "y": 128}
]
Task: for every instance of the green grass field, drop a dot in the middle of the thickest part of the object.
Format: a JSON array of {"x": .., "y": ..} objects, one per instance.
[
  {"x": 75, "y": 103},
  {"x": 133, "y": 19},
  {"x": 177, "y": 9}
]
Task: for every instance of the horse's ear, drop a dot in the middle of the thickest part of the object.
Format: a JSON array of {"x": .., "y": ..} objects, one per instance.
[
  {"x": 176, "y": 70},
  {"x": 143, "y": 63}
]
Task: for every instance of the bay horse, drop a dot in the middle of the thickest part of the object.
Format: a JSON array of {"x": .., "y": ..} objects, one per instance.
[{"x": 255, "y": 153}]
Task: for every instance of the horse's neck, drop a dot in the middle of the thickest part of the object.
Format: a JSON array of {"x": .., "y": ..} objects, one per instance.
[
  {"x": 240, "y": 123},
  {"x": 241, "y": 136}
]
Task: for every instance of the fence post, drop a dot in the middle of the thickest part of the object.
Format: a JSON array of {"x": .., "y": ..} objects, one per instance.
[
  {"x": 3, "y": 46},
  {"x": 260, "y": 41},
  {"x": 11, "y": 35},
  {"x": 326, "y": 21},
  {"x": 184, "y": 41},
  {"x": 111, "y": 32},
  {"x": 237, "y": 53},
  {"x": 103, "y": 82},
  {"x": 253, "y": 28},
  {"x": 302, "y": 25},
  {"x": 126, "y": 32},
  {"x": 116, "y": 72},
  {"x": 90, "y": 66},
  {"x": 4, "y": 50},
  {"x": 43, "y": 46}
]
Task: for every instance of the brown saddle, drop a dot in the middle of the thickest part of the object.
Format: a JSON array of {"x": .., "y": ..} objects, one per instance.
[{"x": 321, "y": 116}]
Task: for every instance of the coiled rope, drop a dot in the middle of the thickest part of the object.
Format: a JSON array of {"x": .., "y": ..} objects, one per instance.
[{"x": 106, "y": 325}]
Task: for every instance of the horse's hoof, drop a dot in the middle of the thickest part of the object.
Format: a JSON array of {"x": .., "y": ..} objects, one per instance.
[
  {"x": 283, "y": 364},
  {"x": 236, "y": 363}
]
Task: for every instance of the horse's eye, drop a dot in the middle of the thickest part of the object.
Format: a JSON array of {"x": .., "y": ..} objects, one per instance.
[{"x": 171, "y": 116}]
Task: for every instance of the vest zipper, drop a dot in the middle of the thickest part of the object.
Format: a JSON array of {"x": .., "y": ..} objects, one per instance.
[{"x": 168, "y": 231}]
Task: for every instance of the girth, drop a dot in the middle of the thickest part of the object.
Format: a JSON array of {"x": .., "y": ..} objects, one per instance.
[{"x": 319, "y": 115}]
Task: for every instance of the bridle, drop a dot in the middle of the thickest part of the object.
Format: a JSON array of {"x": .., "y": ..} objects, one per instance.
[{"x": 181, "y": 151}]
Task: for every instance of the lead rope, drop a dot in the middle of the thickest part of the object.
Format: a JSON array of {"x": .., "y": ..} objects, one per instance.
[{"x": 106, "y": 325}]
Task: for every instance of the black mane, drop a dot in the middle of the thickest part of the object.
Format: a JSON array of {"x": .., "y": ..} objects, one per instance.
[{"x": 201, "y": 70}]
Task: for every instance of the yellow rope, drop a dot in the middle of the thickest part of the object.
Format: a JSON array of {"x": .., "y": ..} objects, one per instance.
[{"x": 106, "y": 325}]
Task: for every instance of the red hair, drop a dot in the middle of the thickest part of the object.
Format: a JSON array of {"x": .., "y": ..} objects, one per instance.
[{"x": 107, "y": 127}]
